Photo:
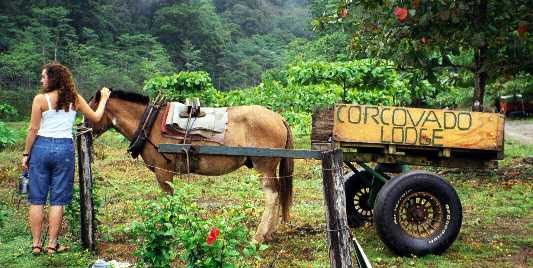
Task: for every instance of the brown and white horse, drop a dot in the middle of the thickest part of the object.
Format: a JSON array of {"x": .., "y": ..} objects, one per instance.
[{"x": 247, "y": 126}]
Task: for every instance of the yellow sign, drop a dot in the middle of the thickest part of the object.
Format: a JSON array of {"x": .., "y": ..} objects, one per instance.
[{"x": 418, "y": 127}]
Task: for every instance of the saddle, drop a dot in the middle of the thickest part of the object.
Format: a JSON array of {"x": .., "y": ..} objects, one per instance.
[
  {"x": 193, "y": 109},
  {"x": 191, "y": 122}
]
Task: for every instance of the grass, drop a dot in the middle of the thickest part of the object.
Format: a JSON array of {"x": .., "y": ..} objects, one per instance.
[{"x": 496, "y": 203}]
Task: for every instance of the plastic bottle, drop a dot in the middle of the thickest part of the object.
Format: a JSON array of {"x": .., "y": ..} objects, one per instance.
[{"x": 23, "y": 182}]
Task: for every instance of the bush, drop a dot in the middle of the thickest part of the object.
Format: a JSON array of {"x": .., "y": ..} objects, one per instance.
[
  {"x": 365, "y": 81},
  {"x": 521, "y": 83},
  {"x": 3, "y": 216},
  {"x": 15, "y": 104},
  {"x": 174, "y": 222},
  {"x": 183, "y": 85},
  {"x": 7, "y": 112},
  {"x": 7, "y": 137}
]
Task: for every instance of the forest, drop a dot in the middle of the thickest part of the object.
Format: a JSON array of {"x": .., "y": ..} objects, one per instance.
[{"x": 123, "y": 43}]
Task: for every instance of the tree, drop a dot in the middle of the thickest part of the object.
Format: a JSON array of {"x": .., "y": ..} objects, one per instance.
[
  {"x": 191, "y": 56},
  {"x": 487, "y": 38}
]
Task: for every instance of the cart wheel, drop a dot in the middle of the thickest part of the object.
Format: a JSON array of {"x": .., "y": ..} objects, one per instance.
[
  {"x": 418, "y": 213},
  {"x": 357, "y": 193}
]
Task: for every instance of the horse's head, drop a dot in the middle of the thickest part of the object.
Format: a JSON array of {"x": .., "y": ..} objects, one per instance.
[
  {"x": 105, "y": 123},
  {"x": 123, "y": 112}
]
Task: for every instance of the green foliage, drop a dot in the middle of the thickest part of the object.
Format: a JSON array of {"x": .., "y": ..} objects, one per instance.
[
  {"x": 522, "y": 84},
  {"x": 122, "y": 43},
  {"x": 327, "y": 47},
  {"x": 174, "y": 222},
  {"x": 3, "y": 216},
  {"x": 486, "y": 38},
  {"x": 8, "y": 112},
  {"x": 248, "y": 58},
  {"x": 191, "y": 56},
  {"x": 7, "y": 137},
  {"x": 182, "y": 85},
  {"x": 363, "y": 81}
]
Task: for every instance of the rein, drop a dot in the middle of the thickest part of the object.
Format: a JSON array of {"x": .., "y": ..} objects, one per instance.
[{"x": 146, "y": 123}]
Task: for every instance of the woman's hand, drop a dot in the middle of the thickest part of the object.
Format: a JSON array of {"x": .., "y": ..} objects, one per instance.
[
  {"x": 94, "y": 115},
  {"x": 25, "y": 162},
  {"x": 105, "y": 92}
]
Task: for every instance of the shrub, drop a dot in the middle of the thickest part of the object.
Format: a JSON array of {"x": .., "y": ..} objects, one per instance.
[
  {"x": 7, "y": 112},
  {"x": 7, "y": 137},
  {"x": 3, "y": 216},
  {"x": 18, "y": 102},
  {"x": 174, "y": 222},
  {"x": 365, "y": 81},
  {"x": 182, "y": 85}
]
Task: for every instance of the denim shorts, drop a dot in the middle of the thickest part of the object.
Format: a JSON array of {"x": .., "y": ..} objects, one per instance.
[{"x": 51, "y": 170}]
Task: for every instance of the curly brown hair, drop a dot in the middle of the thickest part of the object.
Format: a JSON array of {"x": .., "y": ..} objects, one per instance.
[{"x": 60, "y": 79}]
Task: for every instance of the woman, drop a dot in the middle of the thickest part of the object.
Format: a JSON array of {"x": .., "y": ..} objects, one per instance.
[{"x": 50, "y": 150}]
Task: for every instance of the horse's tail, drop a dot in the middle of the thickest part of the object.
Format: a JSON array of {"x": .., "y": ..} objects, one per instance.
[{"x": 286, "y": 169}]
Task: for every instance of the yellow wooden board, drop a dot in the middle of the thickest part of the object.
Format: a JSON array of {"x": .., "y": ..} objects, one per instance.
[{"x": 418, "y": 127}]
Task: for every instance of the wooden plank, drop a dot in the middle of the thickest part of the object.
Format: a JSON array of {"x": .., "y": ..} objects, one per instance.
[
  {"x": 87, "y": 219},
  {"x": 418, "y": 127},
  {"x": 338, "y": 233},
  {"x": 239, "y": 151},
  {"x": 322, "y": 125}
]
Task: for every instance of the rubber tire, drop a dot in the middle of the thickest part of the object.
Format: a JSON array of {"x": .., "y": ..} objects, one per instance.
[
  {"x": 352, "y": 185},
  {"x": 393, "y": 235}
]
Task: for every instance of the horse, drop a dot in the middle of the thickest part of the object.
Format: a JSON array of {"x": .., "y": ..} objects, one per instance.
[{"x": 247, "y": 126}]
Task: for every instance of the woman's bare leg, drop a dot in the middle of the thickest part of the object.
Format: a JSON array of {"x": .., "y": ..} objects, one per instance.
[
  {"x": 55, "y": 218},
  {"x": 36, "y": 222}
]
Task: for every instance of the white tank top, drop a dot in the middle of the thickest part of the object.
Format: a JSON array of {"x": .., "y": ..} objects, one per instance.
[{"x": 56, "y": 124}]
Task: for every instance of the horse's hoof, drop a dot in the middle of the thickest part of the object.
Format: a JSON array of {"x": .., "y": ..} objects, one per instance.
[
  {"x": 259, "y": 239},
  {"x": 268, "y": 238},
  {"x": 264, "y": 238}
]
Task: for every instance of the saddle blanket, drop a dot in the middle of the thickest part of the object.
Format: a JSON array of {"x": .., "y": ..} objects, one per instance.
[{"x": 211, "y": 126}]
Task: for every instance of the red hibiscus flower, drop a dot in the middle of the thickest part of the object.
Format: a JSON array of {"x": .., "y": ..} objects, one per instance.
[
  {"x": 213, "y": 233},
  {"x": 400, "y": 13},
  {"x": 522, "y": 29},
  {"x": 424, "y": 40},
  {"x": 343, "y": 12}
]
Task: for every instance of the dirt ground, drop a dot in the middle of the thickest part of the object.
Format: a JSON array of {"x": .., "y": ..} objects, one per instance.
[{"x": 519, "y": 130}]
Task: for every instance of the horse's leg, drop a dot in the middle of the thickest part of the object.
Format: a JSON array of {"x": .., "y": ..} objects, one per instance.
[
  {"x": 163, "y": 177},
  {"x": 267, "y": 169}
]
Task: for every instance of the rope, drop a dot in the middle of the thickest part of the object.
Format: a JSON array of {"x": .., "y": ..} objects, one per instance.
[{"x": 80, "y": 130}]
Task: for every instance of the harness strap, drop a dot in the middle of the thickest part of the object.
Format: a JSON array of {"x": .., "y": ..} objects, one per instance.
[{"x": 145, "y": 125}]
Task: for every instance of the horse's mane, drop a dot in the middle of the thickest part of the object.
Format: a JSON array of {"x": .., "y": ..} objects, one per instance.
[{"x": 125, "y": 95}]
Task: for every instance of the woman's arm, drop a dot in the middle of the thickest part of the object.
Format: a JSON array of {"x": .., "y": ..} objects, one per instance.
[
  {"x": 85, "y": 109},
  {"x": 35, "y": 124}
]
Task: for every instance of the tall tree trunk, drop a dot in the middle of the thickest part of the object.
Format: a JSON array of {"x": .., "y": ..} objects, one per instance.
[
  {"x": 480, "y": 79},
  {"x": 480, "y": 71}
]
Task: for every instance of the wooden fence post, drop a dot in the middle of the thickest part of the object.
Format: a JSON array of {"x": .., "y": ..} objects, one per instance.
[
  {"x": 87, "y": 222},
  {"x": 337, "y": 230}
]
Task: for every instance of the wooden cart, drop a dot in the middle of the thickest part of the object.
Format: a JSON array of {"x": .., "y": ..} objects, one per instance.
[{"x": 414, "y": 212}]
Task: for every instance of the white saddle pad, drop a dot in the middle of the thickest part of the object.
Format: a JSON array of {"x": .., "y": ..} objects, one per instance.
[{"x": 215, "y": 119}]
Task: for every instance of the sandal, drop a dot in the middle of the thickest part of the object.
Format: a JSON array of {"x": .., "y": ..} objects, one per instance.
[
  {"x": 57, "y": 249},
  {"x": 36, "y": 250}
]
